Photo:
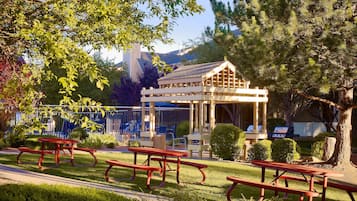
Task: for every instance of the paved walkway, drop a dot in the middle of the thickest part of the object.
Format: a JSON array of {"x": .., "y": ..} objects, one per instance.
[{"x": 9, "y": 174}]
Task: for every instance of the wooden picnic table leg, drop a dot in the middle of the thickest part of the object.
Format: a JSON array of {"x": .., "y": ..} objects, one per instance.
[
  {"x": 276, "y": 181},
  {"x": 324, "y": 187},
  {"x": 71, "y": 151},
  {"x": 42, "y": 155},
  {"x": 134, "y": 171},
  {"x": 163, "y": 171},
  {"x": 311, "y": 187},
  {"x": 178, "y": 170},
  {"x": 229, "y": 191},
  {"x": 262, "y": 180},
  {"x": 57, "y": 154}
]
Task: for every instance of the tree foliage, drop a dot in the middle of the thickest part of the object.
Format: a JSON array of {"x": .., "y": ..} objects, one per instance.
[
  {"x": 61, "y": 34},
  {"x": 85, "y": 86},
  {"x": 308, "y": 47},
  {"x": 127, "y": 93}
]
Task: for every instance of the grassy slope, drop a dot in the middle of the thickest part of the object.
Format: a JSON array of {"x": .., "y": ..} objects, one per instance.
[
  {"x": 29, "y": 192},
  {"x": 214, "y": 188}
]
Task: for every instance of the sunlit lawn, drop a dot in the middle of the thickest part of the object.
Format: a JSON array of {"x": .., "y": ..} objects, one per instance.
[
  {"x": 214, "y": 188},
  {"x": 27, "y": 192}
]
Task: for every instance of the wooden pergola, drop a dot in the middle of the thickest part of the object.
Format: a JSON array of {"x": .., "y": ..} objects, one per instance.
[{"x": 202, "y": 86}]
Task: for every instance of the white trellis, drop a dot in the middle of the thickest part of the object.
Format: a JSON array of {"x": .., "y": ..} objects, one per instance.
[{"x": 202, "y": 86}]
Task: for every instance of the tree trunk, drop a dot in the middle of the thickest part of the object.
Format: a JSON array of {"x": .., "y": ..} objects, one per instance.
[{"x": 342, "y": 154}]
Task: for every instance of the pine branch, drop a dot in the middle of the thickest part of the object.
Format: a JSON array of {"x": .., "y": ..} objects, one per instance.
[{"x": 340, "y": 107}]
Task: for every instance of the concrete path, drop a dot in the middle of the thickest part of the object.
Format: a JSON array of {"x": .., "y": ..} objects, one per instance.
[{"x": 9, "y": 174}]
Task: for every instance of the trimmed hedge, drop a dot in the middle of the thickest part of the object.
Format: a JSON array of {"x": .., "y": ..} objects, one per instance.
[
  {"x": 97, "y": 141},
  {"x": 317, "y": 148},
  {"x": 260, "y": 150},
  {"x": 227, "y": 141},
  {"x": 182, "y": 129},
  {"x": 284, "y": 150}
]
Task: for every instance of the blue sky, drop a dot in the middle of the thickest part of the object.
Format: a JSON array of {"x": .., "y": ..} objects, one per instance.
[{"x": 186, "y": 29}]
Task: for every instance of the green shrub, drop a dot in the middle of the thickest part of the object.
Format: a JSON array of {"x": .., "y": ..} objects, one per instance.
[
  {"x": 17, "y": 136},
  {"x": 227, "y": 141},
  {"x": 274, "y": 122},
  {"x": 2, "y": 144},
  {"x": 99, "y": 140},
  {"x": 260, "y": 150},
  {"x": 317, "y": 149},
  {"x": 323, "y": 135},
  {"x": 284, "y": 150},
  {"x": 32, "y": 142},
  {"x": 78, "y": 133},
  {"x": 182, "y": 129},
  {"x": 257, "y": 152}
]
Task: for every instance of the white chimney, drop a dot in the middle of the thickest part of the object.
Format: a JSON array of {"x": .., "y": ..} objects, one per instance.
[{"x": 130, "y": 57}]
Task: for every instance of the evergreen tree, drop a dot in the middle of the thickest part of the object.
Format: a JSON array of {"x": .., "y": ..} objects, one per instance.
[{"x": 306, "y": 47}]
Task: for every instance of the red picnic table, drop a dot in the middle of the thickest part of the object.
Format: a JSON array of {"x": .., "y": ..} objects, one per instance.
[
  {"x": 162, "y": 153},
  {"x": 57, "y": 142},
  {"x": 304, "y": 170}
]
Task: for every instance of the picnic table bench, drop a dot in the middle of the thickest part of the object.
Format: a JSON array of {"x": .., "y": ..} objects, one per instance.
[
  {"x": 32, "y": 151},
  {"x": 199, "y": 166},
  {"x": 89, "y": 150},
  {"x": 149, "y": 169},
  {"x": 263, "y": 186},
  {"x": 346, "y": 187}
]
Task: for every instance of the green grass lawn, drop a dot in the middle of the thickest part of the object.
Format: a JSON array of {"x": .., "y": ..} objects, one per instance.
[
  {"x": 30, "y": 192},
  {"x": 214, "y": 188}
]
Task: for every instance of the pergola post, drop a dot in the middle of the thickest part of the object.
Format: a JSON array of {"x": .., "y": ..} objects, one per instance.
[
  {"x": 142, "y": 117},
  {"x": 255, "y": 117},
  {"x": 152, "y": 119},
  {"x": 212, "y": 115},
  {"x": 196, "y": 128},
  {"x": 264, "y": 118},
  {"x": 191, "y": 118},
  {"x": 201, "y": 125}
]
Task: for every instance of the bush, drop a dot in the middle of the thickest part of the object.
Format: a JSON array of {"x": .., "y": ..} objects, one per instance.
[
  {"x": 323, "y": 135},
  {"x": 260, "y": 150},
  {"x": 16, "y": 137},
  {"x": 97, "y": 141},
  {"x": 32, "y": 142},
  {"x": 284, "y": 150},
  {"x": 257, "y": 152},
  {"x": 317, "y": 149},
  {"x": 227, "y": 141},
  {"x": 78, "y": 133},
  {"x": 182, "y": 129},
  {"x": 2, "y": 144}
]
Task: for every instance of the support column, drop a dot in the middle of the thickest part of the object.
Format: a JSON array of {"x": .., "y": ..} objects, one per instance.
[
  {"x": 212, "y": 122},
  {"x": 264, "y": 118},
  {"x": 191, "y": 118},
  {"x": 196, "y": 128},
  {"x": 142, "y": 117},
  {"x": 201, "y": 125},
  {"x": 212, "y": 116},
  {"x": 152, "y": 119},
  {"x": 205, "y": 117},
  {"x": 255, "y": 117}
]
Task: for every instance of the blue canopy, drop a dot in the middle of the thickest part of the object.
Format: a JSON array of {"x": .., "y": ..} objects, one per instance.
[{"x": 162, "y": 104}]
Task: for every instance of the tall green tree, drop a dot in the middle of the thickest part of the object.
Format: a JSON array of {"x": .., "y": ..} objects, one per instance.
[
  {"x": 307, "y": 46},
  {"x": 85, "y": 86},
  {"x": 60, "y": 33}
]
